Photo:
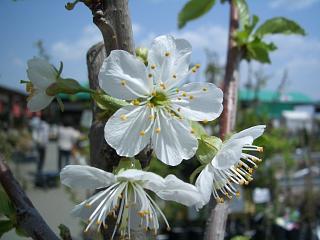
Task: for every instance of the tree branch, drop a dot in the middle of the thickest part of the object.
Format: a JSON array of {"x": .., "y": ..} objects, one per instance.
[
  {"x": 216, "y": 222},
  {"x": 28, "y": 218},
  {"x": 113, "y": 20}
]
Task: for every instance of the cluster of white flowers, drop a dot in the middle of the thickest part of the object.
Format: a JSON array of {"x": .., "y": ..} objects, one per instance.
[{"x": 160, "y": 113}]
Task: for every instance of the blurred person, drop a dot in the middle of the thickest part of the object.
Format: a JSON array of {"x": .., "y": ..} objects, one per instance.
[
  {"x": 40, "y": 135},
  {"x": 67, "y": 137}
]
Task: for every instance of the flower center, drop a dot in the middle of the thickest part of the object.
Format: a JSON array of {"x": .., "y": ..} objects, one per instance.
[
  {"x": 159, "y": 99},
  {"x": 30, "y": 90}
]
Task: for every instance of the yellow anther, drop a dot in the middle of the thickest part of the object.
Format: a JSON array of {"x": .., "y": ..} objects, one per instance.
[
  {"x": 123, "y": 82},
  {"x": 177, "y": 90},
  {"x": 150, "y": 105},
  {"x": 123, "y": 117},
  {"x": 194, "y": 70},
  {"x": 241, "y": 182},
  {"x": 142, "y": 133},
  {"x": 158, "y": 130},
  {"x": 153, "y": 66},
  {"x": 260, "y": 149},
  {"x": 205, "y": 121},
  {"x": 191, "y": 97},
  {"x": 162, "y": 86},
  {"x": 98, "y": 222},
  {"x": 184, "y": 94},
  {"x": 141, "y": 213},
  {"x": 174, "y": 76},
  {"x": 192, "y": 131},
  {"x": 250, "y": 170},
  {"x": 151, "y": 117},
  {"x": 167, "y": 54},
  {"x": 87, "y": 205},
  {"x": 237, "y": 194},
  {"x": 197, "y": 65},
  {"x": 149, "y": 75},
  {"x": 135, "y": 102},
  {"x": 204, "y": 89},
  {"x": 154, "y": 93}
]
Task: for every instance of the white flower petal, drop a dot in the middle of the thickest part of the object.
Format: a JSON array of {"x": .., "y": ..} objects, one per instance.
[
  {"x": 170, "y": 57},
  {"x": 41, "y": 73},
  {"x": 254, "y": 132},
  {"x": 230, "y": 153},
  {"x": 200, "y": 101},
  {"x": 204, "y": 183},
  {"x": 150, "y": 180},
  {"x": 179, "y": 191},
  {"x": 79, "y": 176},
  {"x": 124, "y": 76},
  {"x": 39, "y": 101},
  {"x": 174, "y": 142},
  {"x": 123, "y": 131}
]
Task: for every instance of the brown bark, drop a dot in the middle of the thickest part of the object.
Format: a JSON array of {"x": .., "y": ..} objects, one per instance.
[
  {"x": 216, "y": 222},
  {"x": 28, "y": 218},
  {"x": 113, "y": 20}
]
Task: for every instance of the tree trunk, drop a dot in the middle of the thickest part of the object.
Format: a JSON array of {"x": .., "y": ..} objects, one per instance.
[
  {"x": 216, "y": 223},
  {"x": 113, "y": 20}
]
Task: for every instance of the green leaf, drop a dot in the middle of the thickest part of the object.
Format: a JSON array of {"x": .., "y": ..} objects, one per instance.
[
  {"x": 254, "y": 20},
  {"x": 207, "y": 148},
  {"x": 279, "y": 25},
  {"x": 195, "y": 173},
  {"x": 20, "y": 232},
  {"x": 198, "y": 129},
  {"x": 194, "y": 9},
  {"x": 6, "y": 206},
  {"x": 5, "y": 226},
  {"x": 259, "y": 51},
  {"x": 243, "y": 10}
]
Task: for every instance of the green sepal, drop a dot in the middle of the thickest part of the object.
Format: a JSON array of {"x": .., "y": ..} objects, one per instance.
[
  {"x": 127, "y": 163},
  {"x": 106, "y": 102},
  {"x": 67, "y": 86},
  {"x": 196, "y": 172},
  {"x": 208, "y": 147},
  {"x": 198, "y": 129}
]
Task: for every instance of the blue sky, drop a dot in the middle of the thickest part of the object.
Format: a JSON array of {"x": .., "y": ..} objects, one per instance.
[{"x": 68, "y": 34}]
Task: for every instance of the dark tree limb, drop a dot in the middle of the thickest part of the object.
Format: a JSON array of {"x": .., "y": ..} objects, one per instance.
[
  {"x": 113, "y": 20},
  {"x": 216, "y": 223},
  {"x": 28, "y": 218}
]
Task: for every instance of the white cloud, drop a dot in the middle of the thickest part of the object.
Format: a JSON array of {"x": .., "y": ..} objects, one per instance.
[
  {"x": 75, "y": 49},
  {"x": 293, "y": 4},
  {"x": 301, "y": 57}
]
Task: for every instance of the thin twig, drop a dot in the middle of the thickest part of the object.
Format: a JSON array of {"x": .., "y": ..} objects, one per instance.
[{"x": 28, "y": 218}]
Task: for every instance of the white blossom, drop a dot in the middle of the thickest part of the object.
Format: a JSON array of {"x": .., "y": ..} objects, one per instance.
[
  {"x": 232, "y": 165},
  {"x": 41, "y": 75},
  {"x": 160, "y": 110},
  {"x": 124, "y": 197}
]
